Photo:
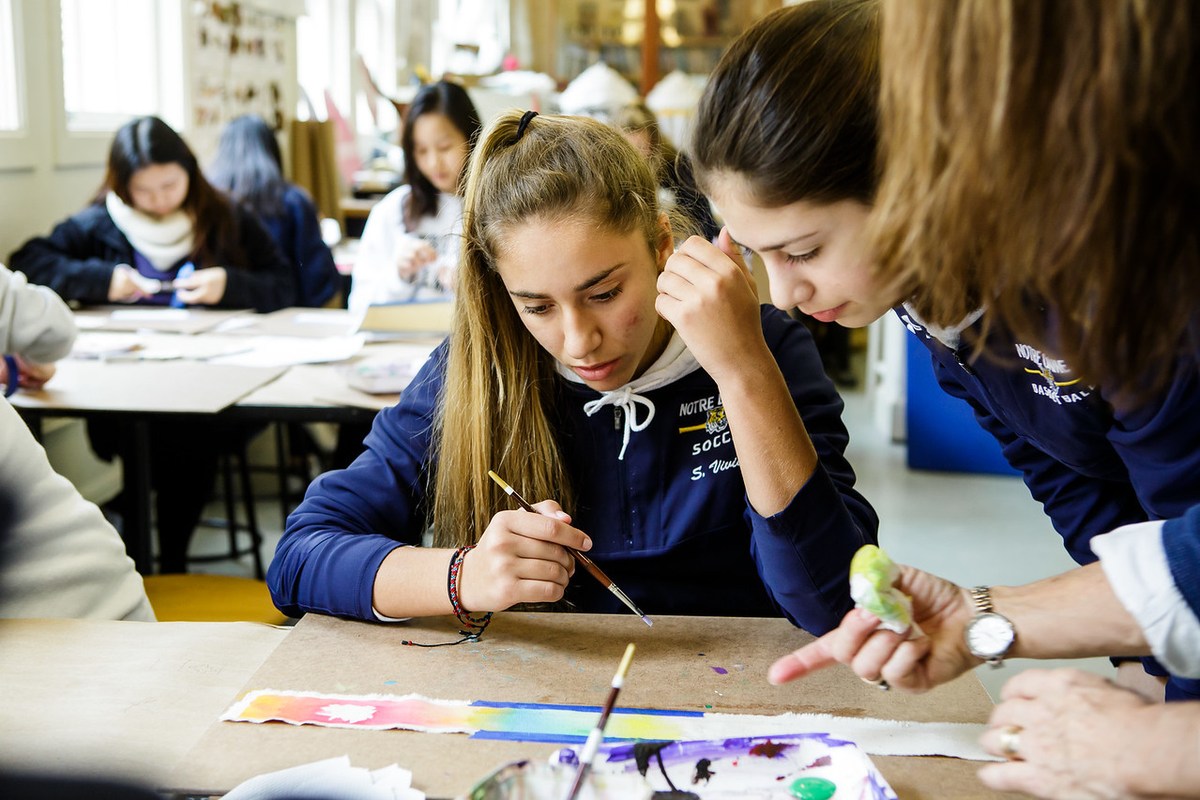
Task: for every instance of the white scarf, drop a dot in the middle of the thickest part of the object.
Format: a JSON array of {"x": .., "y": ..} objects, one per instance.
[
  {"x": 163, "y": 241},
  {"x": 675, "y": 362}
]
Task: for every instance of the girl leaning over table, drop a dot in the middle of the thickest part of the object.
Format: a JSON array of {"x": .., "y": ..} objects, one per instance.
[
  {"x": 156, "y": 220},
  {"x": 682, "y": 435}
]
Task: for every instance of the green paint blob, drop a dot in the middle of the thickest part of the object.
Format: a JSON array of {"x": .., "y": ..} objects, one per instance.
[{"x": 813, "y": 789}]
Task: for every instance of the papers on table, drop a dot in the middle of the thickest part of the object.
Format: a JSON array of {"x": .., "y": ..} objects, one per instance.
[
  {"x": 230, "y": 350},
  {"x": 146, "y": 318},
  {"x": 330, "y": 779},
  {"x": 286, "y": 351}
]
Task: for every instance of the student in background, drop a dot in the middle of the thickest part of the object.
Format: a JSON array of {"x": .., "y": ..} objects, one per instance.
[
  {"x": 59, "y": 556},
  {"x": 156, "y": 220},
  {"x": 786, "y": 143},
  {"x": 690, "y": 440},
  {"x": 677, "y": 185},
  {"x": 1075, "y": 161},
  {"x": 249, "y": 168},
  {"x": 410, "y": 244}
]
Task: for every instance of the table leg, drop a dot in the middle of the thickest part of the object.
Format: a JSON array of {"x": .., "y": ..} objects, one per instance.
[{"x": 137, "y": 528}]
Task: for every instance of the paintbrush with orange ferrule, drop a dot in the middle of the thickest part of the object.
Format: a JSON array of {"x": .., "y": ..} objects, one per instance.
[{"x": 587, "y": 563}]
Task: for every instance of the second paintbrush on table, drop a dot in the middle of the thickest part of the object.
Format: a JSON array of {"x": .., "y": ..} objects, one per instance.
[{"x": 587, "y": 563}]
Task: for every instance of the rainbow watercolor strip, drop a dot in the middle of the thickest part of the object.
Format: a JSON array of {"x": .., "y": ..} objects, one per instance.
[
  {"x": 528, "y": 722},
  {"x": 563, "y": 724}
]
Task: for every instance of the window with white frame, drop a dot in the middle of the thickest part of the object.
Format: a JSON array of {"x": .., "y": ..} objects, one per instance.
[
  {"x": 375, "y": 44},
  {"x": 315, "y": 42},
  {"x": 111, "y": 65},
  {"x": 470, "y": 37},
  {"x": 10, "y": 100}
]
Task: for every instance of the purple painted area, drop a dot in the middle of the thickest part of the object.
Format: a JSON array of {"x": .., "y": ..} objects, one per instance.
[
  {"x": 720, "y": 670},
  {"x": 717, "y": 748}
]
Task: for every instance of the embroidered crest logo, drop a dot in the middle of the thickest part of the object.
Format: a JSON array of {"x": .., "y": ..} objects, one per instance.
[
  {"x": 715, "y": 422},
  {"x": 1055, "y": 376}
]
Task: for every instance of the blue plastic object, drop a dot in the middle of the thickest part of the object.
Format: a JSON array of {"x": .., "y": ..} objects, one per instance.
[
  {"x": 942, "y": 432},
  {"x": 184, "y": 271}
]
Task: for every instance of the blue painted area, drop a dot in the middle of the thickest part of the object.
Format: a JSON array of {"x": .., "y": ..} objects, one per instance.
[
  {"x": 594, "y": 709},
  {"x": 942, "y": 432}
]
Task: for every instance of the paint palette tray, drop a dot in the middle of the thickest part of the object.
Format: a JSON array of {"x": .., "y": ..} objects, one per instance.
[{"x": 809, "y": 766}]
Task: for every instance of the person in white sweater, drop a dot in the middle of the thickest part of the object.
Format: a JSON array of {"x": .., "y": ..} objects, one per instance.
[
  {"x": 59, "y": 556},
  {"x": 410, "y": 244}
]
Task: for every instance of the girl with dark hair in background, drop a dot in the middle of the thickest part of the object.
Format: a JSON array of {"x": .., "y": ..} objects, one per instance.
[
  {"x": 159, "y": 233},
  {"x": 249, "y": 168},
  {"x": 410, "y": 244}
]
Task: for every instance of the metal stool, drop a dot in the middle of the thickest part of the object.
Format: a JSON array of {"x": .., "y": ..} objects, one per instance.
[{"x": 231, "y": 523}]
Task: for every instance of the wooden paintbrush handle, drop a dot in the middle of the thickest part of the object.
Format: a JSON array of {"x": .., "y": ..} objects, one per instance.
[{"x": 591, "y": 567}]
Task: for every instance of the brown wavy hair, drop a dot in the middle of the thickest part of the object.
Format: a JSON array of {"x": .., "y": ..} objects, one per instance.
[
  {"x": 497, "y": 404},
  {"x": 1041, "y": 159}
]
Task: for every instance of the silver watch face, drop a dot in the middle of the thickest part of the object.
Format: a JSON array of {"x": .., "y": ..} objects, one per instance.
[{"x": 989, "y": 635}]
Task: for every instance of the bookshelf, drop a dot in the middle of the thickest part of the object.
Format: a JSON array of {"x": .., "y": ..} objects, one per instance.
[{"x": 645, "y": 39}]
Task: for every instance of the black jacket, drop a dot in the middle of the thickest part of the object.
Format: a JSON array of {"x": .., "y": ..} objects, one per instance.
[{"x": 78, "y": 257}]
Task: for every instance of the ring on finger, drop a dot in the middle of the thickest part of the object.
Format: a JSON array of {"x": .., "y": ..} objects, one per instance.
[{"x": 1010, "y": 742}]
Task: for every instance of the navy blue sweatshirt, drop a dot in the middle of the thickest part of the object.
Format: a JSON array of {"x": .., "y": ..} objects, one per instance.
[
  {"x": 1092, "y": 465},
  {"x": 670, "y": 523}
]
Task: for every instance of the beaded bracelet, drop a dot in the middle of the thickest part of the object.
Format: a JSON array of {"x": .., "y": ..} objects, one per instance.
[{"x": 473, "y": 624}]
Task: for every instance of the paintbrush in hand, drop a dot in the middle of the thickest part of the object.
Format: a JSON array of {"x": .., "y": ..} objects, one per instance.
[
  {"x": 597, "y": 735},
  {"x": 587, "y": 563}
]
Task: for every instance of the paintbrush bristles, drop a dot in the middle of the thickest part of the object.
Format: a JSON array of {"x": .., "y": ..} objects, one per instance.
[
  {"x": 623, "y": 669},
  {"x": 510, "y": 491}
]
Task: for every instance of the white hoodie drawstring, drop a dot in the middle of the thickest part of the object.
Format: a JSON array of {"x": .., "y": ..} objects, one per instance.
[
  {"x": 626, "y": 400},
  {"x": 675, "y": 362}
]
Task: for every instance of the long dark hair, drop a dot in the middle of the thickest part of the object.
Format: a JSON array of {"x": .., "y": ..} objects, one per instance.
[
  {"x": 248, "y": 166},
  {"x": 792, "y": 106},
  {"x": 146, "y": 141},
  {"x": 451, "y": 101}
]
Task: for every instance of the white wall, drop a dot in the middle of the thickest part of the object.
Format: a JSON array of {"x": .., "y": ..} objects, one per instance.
[
  {"x": 35, "y": 190},
  {"x": 47, "y": 174}
]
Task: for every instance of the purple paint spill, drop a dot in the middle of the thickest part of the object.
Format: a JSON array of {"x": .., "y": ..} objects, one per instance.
[
  {"x": 720, "y": 670},
  {"x": 713, "y": 749}
]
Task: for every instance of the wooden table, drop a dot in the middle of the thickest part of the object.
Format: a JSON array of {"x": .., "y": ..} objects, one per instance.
[
  {"x": 138, "y": 391},
  {"x": 124, "y": 699},
  {"x": 553, "y": 658}
]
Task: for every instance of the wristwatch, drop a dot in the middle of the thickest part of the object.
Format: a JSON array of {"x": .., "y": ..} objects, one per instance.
[{"x": 989, "y": 635}]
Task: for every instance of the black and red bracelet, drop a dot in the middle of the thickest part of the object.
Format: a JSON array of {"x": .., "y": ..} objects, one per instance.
[{"x": 472, "y": 624}]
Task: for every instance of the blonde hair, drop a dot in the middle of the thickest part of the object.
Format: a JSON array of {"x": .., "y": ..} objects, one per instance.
[
  {"x": 497, "y": 404},
  {"x": 1041, "y": 160}
]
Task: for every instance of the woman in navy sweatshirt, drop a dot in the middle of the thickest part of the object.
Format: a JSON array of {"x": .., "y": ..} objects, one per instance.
[
  {"x": 786, "y": 143},
  {"x": 683, "y": 436}
]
